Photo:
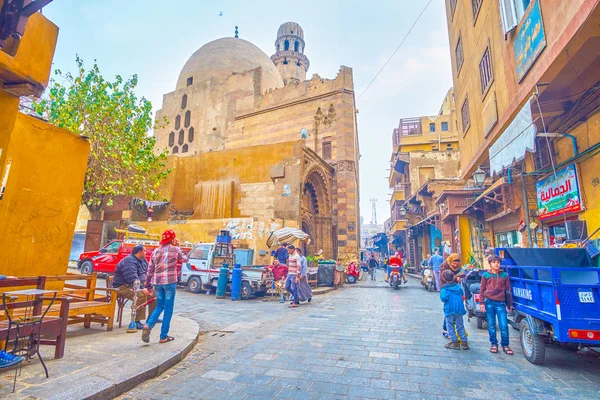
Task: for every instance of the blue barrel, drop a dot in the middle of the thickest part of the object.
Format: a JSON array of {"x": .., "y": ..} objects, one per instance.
[
  {"x": 223, "y": 280},
  {"x": 236, "y": 282}
]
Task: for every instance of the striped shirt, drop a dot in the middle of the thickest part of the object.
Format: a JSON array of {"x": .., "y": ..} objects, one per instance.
[
  {"x": 294, "y": 264},
  {"x": 162, "y": 269}
]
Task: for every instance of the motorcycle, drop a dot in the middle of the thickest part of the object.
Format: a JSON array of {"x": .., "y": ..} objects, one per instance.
[
  {"x": 473, "y": 300},
  {"x": 428, "y": 279},
  {"x": 395, "y": 278},
  {"x": 353, "y": 273}
]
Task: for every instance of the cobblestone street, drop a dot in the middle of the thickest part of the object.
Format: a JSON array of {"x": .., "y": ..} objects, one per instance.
[{"x": 364, "y": 341}]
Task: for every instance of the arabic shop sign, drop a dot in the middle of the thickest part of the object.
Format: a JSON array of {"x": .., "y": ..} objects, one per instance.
[
  {"x": 558, "y": 195},
  {"x": 530, "y": 40}
]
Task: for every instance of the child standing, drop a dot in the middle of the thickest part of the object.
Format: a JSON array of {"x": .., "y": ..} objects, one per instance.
[
  {"x": 495, "y": 290},
  {"x": 454, "y": 309}
]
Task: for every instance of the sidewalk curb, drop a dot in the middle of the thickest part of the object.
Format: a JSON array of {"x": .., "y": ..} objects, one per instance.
[{"x": 154, "y": 371}]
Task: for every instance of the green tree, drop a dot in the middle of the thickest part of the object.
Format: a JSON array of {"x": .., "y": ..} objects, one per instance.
[{"x": 122, "y": 159}]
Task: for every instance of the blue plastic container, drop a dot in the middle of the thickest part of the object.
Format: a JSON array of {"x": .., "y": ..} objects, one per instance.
[
  {"x": 222, "y": 282},
  {"x": 236, "y": 282},
  {"x": 223, "y": 239}
]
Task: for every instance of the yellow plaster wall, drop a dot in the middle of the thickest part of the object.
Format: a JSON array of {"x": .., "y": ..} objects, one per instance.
[
  {"x": 33, "y": 59},
  {"x": 40, "y": 205}
]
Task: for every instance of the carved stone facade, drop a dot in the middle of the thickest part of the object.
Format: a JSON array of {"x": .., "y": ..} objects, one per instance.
[{"x": 234, "y": 100}]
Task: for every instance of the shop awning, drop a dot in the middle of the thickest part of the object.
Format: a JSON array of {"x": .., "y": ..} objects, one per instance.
[
  {"x": 514, "y": 142},
  {"x": 287, "y": 235}
]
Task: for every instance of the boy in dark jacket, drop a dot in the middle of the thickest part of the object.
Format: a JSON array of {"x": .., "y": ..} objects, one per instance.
[
  {"x": 495, "y": 290},
  {"x": 454, "y": 309}
]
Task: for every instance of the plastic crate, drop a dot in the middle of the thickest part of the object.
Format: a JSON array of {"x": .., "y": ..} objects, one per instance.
[{"x": 223, "y": 239}]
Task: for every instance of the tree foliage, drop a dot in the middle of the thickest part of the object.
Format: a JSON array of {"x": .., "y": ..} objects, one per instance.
[{"x": 122, "y": 160}]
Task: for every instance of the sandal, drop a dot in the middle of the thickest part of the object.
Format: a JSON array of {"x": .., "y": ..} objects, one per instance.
[
  {"x": 494, "y": 349},
  {"x": 293, "y": 305},
  {"x": 508, "y": 350},
  {"x": 464, "y": 345},
  {"x": 146, "y": 334},
  {"x": 167, "y": 339},
  {"x": 452, "y": 346}
]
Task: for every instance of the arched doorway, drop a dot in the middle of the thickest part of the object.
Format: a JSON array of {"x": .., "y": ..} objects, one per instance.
[{"x": 316, "y": 213}]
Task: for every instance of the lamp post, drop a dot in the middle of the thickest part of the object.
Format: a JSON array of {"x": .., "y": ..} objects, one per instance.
[{"x": 479, "y": 177}]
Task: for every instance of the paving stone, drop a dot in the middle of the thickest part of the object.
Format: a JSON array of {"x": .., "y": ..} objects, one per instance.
[
  {"x": 254, "y": 379},
  {"x": 334, "y": 388},
  {"x": 371, "y": 393},
  {"x": 220, "y": 375}
]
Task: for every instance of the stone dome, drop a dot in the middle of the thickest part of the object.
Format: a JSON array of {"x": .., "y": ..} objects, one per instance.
[
  {"x": 290, "y": 29},
  {"x": 220, "y": 58}
]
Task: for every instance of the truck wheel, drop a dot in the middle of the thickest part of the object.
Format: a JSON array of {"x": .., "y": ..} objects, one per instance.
[
  {"x": 396, "y": 284},
  {"x": 246, "y": 292},
  {"x": 195, "y": 284},
  {"x": 479, "y": 322},
  {"x": 532, "y": 344},
  {"x": 87, "y": 267},
  {"x": 351, "y": 279}
]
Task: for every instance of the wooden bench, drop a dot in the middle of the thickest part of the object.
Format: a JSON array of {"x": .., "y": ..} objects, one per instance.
[
  {"x": 86, "y": 306},
  {"x": 53, "y": 329}
]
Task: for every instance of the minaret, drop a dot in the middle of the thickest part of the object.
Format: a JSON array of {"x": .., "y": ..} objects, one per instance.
[{"x": 289, "y": 53}]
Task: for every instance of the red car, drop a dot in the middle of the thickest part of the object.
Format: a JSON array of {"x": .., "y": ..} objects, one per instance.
[{"x": 106, "y": 259}]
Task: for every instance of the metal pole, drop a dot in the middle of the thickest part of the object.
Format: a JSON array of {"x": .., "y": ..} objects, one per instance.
[{"x": 526, "y": 205}]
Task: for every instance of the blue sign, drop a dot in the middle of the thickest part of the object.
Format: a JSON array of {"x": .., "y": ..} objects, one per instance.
[{"x": 530, "y": 40}]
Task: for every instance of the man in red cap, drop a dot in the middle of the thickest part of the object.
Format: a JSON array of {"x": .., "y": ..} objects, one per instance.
[{"x": 162, "y": 275}]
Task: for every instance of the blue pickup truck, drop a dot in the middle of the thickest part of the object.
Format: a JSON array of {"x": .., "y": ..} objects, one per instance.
[{"x": 556, "y": 296}]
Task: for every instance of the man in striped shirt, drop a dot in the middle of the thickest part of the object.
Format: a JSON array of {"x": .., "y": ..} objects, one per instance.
[
  {"x": 291, "y": 283},
  {"x": 162, "y": 275}
]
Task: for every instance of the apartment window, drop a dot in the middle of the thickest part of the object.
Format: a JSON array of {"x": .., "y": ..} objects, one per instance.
[
  {"x": 458, "y": 52},
  {"x": 444, "y": 127},
  {"x": 476, "y": 4},
  {"x": 432, "y": 127},
  {"x": 466, "y": 119},
  {"x": 485, "y": 71},
  {"x": 326, "y": 151},
  {"x": 452, "y": 7},
  {"x": 511, "y": 12}
]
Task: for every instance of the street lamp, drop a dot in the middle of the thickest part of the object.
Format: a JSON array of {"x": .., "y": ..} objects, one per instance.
[
  {"x": 402, "y": 211},
  {"x": 479, "y": 177}
]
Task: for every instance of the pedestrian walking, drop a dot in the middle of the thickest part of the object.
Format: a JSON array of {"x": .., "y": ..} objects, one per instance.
[
  {"x": 454, "y": 309},
  {"x": 435, "y": 262},
  {"x": 496, "y": 293},
  {"x": 162, "y": 277},
  {"x": 291, "y": 283},
  {"x": 282, "y": 254},
  {"x": 372, "y": 267},
  {"x": 303, "y": 290},
  {"x": 452, "y": 263}
]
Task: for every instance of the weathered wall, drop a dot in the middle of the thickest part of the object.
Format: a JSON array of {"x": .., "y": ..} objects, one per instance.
[
  {"x": 39, "y": 208},
  {"x": 252, "y": 232},
  {"x": 444, "y": 163},
  {"x": 561, "y": 20}
]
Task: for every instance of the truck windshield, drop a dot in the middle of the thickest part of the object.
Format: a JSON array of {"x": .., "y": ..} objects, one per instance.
[
  {"x": 200, "y": 252},
  {"x": 113, "y": 247}
]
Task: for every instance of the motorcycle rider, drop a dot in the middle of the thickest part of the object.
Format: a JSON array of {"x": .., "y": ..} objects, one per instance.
[{"x": 396, "y": 259}]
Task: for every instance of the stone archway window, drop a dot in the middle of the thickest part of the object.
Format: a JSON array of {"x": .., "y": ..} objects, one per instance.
[
  {"x": 188, "y": 117},
  {"x": 190, "y": 81},
  {"x": 184, "y": 149},
  {"x": 191, "y": 135},
  {"x": 181, "y": 137},
  {"x": 175, "y": 149},
  {"x": 296, "y": 46},
  {"x": 184, "y": 101},
  {"x": 171, "y": 139},
  {"x": 286, "y": 45},
  {"x": 178, "y": 122}
]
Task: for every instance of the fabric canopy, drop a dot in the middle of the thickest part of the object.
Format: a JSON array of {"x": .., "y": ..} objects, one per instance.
[
  {"x": 511, "y": 146},
  {"x": 287, "y": 235}
]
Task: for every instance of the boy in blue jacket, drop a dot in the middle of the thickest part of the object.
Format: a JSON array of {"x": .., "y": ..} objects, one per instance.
[{"x": 454, "y": 309}]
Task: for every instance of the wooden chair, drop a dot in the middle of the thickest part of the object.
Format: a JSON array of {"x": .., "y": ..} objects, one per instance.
[{"x": 53, "y": 329}]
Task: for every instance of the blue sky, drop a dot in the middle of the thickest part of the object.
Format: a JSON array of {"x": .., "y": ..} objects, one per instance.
[{"x": 154, "y": 39}]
